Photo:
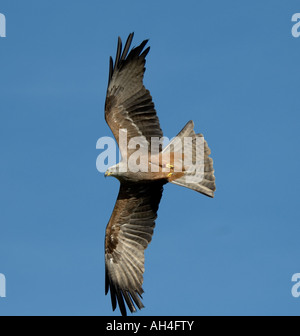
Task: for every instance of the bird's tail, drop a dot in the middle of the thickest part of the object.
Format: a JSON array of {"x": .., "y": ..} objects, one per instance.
[{"x": 197, "y": 172}]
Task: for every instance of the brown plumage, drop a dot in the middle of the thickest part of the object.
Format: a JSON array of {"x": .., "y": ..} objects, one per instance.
[{"x": 129, "y": 106}]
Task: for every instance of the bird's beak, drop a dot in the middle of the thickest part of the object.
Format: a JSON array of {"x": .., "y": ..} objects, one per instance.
[{"x": 107, "y": 173}]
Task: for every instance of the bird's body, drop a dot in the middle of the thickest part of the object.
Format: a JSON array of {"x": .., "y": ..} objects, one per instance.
[
  {"x": 129, "y": 107},
  {"x": 157, "y": 167}
]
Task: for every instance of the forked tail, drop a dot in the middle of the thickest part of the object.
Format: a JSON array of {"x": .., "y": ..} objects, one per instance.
[{"x": 197, "y": 172}]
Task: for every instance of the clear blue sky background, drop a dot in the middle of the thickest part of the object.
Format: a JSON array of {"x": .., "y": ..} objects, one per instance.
[{"x": 231, "y": 66}]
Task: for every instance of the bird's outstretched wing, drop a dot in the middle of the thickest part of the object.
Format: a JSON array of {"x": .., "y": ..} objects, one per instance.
[
  {"x": 128, "y": 103},
  {"x": 128, "y": 233}
]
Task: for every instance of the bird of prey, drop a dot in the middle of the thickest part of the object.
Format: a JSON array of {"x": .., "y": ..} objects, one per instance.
[{"x": 129, "y": 106}]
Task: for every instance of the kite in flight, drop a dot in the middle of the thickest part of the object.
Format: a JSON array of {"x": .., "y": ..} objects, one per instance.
[{"x": 129, "y": 106}]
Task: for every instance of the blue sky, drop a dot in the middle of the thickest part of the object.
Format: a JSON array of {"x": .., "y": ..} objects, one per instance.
[{"x": 230, "y": 66}]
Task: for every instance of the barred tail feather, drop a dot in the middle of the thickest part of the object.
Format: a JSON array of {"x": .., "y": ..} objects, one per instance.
[{"x": 199, "y": 176}]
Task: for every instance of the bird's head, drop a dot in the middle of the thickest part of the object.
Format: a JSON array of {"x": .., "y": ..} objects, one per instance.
[
  {"x": 117, "y": 170},
  {"x": 111, "y": 171}
]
